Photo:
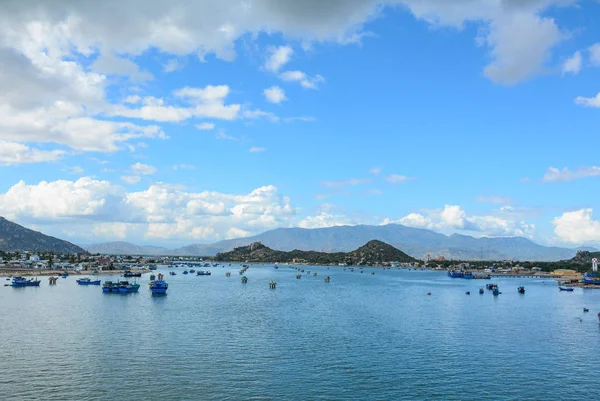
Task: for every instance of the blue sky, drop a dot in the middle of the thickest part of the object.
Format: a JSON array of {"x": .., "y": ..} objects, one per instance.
[{"x": 196, "y": 121}]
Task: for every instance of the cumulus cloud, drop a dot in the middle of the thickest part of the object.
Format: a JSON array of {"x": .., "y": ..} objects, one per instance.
[
  {"x": 588, "y": 101},
  {"x": 161, "y": 211},
  {"x": 16, "y": 153},
  {"x": 205, "y": 126},
  {"x": 256, "y": 149},
  {"x": 274, "y": 94},
  {"x": 594, "y": 52},
  {"x": 577, "y": 227},
  {"x": 143, "y": 169},
  {"x": 573, "y": 64},
  {"x": 279, "y": 56},
  {"x": 453, "y": 218},
  {"x": 555, "y": 175},
  {"x": 301, "y": 77}
]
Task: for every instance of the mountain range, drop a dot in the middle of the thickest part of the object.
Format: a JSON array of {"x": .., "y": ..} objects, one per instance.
[
  {"x": 14, "y": 237},
  {"x": 416, "y": 242}
]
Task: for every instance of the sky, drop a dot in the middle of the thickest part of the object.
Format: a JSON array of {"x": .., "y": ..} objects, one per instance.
[{"x": 178, "y": 122}]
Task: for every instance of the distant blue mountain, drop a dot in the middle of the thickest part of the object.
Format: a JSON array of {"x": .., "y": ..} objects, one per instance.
[{"x": 414, "y": 241}]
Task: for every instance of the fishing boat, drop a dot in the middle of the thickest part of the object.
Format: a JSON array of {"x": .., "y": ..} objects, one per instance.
[
  {"x": 25, "y": 282},
  {"x": 495, "y": 291},
  {"x": 152, "y": 277},
  {"x": 275, "y": 267},
  {"x": 109, "y": 286},
  {"x": 151, "y": 267},
  {"x": 455, "y": 274},
  {"x": 468, "y": 275},
  {"x": 203, "y": 273},
  {"x": 129, "y": 273},
  {"x": 64, "y": 275},
  {"x": 521, "y": 290},
  {"x": 159, "y": 286},
  {"x": 192, "y": 271},
  {"x": 481, "y": 290},
  {"x": 491, "y": 286},
  {"x": 126, "y": 287},
  {"x": 172, "y": 273},
  {"x": 185, "y": 272},
  {"x": 568, "y": 289},
  {"x": 88, "y": 281}
]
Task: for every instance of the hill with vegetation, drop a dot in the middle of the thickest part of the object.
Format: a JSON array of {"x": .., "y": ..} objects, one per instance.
[
  {"x": 14, "y": 237},
  {"x": 373, "y": 253}
]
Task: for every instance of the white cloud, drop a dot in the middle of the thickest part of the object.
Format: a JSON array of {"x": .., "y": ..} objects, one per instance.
[
  {"x": 555, "y": 175},
  {"x": 256, "y": 149},
  {"x": 274, "y": 94},
  {"x": 131, "y": 179},
  {"x": 375, "y": 171},
  {"x": 594, "y": 51},
  {"x": 302, "y": 78},
  {"x": 132, "y": 99},
  {"x": 345, "y": 183},
  {"x": 142, "y": 169},
  {"x": 397, "y": 178},
  {"x": 573, "y": 64},
  {"x": 588, "y": 101},
  {"x": 223, "y": 135},
  {"x": 453, "y": 218},
  {"x": 325, "y": 219},
  {"x": 109, "y": 64},
  {"x": 172, "y": 65},
  {"x": 205, "y": 126},
  {"x": 160, "y": 211},
  {"x": 577, "y": 227},
  {"x": 16, "y": 153},
  {"x": 74, "y": 170},
  {"x": 279, "y": 56}
]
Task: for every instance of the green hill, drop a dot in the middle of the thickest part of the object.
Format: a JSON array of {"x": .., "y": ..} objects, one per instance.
[{"x": 372, "y": 253}]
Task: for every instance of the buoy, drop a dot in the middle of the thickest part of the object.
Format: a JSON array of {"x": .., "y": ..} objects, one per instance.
[{"x": 468, "y": 292}]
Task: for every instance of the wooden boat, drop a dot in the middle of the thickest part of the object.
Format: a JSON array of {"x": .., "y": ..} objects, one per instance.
[{"x": 569, "y": 289}]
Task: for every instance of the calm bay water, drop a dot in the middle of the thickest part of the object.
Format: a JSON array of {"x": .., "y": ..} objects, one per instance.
[{"x": 360, "y": 337}]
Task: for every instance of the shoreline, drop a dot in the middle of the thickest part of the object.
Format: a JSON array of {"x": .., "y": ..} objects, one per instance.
[{"x": 6, "y": 272}]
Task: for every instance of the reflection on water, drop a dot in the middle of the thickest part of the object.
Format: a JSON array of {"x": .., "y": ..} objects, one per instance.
[{"x": 360, "y": 337}]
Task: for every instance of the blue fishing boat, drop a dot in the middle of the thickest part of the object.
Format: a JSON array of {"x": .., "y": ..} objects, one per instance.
[
  {"x": 87, "y": 281},
  {"x": 152, "y": 277},
  {"x": 152, "y": 268},
  {"x": 192, "y": 271},
  {"x": 590, "y": 278},
  {"x": 126, "y": 287},
  {"x": 159, "y": 286},
  {"x": 495, "y": 291},
  {"x": 185, "y": 272},
  {"x": 203, "y": 273},
  {"x": 455, "y": 274},
  {"x": 568, "y": 289},
  {"x": 468, "y": 275},
  {"x": 64, "y": 275},
  {"x": 276, "y": 267},
  {"x": 25, "y": 282}
]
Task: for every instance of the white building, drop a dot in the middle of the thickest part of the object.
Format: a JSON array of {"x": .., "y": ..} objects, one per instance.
[{"x": 34, "y": 258}]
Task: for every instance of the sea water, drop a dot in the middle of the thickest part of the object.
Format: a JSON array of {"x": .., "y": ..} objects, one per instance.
[{"x": 359, "y": 337}]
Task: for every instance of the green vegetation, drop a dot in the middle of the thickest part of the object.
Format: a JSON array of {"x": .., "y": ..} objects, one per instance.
[{"x": 371, "y": 254}]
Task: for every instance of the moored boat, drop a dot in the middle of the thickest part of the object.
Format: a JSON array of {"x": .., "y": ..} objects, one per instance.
[
  {"x": 568, "y": 289},
  {"x": 129, "y": 273},
  {"x": 455, "y": 274},
  {"x": 152, "y": 277},
  {"x": 495, "y": 291},
  {"x": 521, "y": 290},
  {"x": 468, "y": 275},
  {"x": 203, "y": 273},
  {"x": 159, "y": 286},
  {"x": 25, "y": 282},
  {"x": 87, "y": 281},
  {"x": 481, "y": 290}
]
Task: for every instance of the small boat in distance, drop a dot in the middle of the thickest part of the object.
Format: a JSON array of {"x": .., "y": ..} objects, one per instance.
[
  {"x": 172, "y": 273},
  {"x": 568, "y": 289},
  {"x": 203, "y": 273},
  {"x": 521, "y": 290},
  {"x": 185, "y": 272},
  {"x": 481, "y": 290},
  {"x": 87, "y": 281},
  {"x": 495, "y": 291},
  {"x": 129, "y": 273}
]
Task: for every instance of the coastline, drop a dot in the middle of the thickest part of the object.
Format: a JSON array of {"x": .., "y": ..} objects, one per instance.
[{"x": 6, "y": 272}]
